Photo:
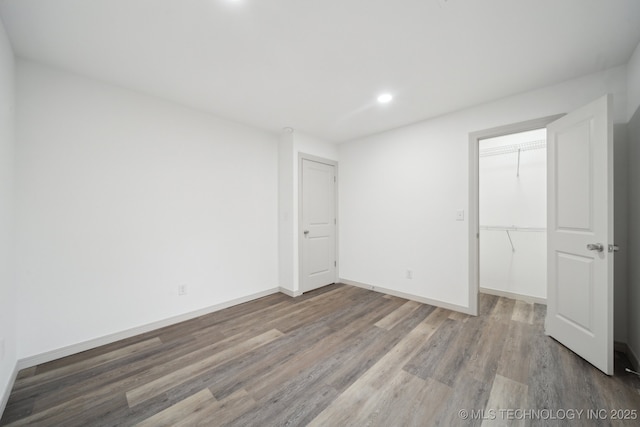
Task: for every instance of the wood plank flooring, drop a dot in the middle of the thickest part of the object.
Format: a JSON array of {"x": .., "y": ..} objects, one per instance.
[{"x": 336, "y": 356}]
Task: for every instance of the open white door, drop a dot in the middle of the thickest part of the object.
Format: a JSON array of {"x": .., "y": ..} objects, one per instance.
[
  {"x": 318, "y": 222},
  {"x": 580, "y": 232}
]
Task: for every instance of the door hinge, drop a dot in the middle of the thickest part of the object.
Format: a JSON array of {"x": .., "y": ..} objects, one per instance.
[{"x": 335, "y": 263}]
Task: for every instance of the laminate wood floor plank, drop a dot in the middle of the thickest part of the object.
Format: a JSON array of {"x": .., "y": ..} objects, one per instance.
[
  {"x": 392, "y": 319},
  {"x": 241, "y": 372},
  {"x": 353, "y": 330},
  {"x": 220, "y": 412},
  {"x": 236, "y": 311},
  {"x": 445, "y": 356},
  {"x": 229, "y": 325},
  {"x": 468, "y": 394},
  {"x": 523, "y": 312},
  {"x": 51, "y": 393},
  {"x": 577, "y": 375},
  {"x": 484, "y": 358},
  {"x": 234, "y": 325},
  {"x": 514, "y": 360},
  {"x": 456, "y": 315},
  {"x": 503, "y": 310},
  {"x": 325, "y": 308},
  {"x": 192, "y": 405},
  {"x": 623, "y": 394},
  {"x": 98, "y": 360},
  {"x": 320, "y": 372},
  {"x": 353, "y": 401},
  {"x": 91, "y": 391},
  {"x": 544, "y": 390},
  {"x": 17, "y": 410},
  {"x": 366, "y": 310},
  {"x": 26, "y": 373},
  {"x": 539, "y": 314},
  {"x": 131, "y": 372},
  {"x": 298, "y": 407},
  {"x": 288, "y": 312},
  {"x": 486, "y": 304},
  {"x": 505, "y": 395},
  {"x": 373, "y": 351},
  {"x": 143, "y": 392},
  {"x": 320, "y": 359},
  {"x": 414, "y": 402},
  {"x": 76, "y": 413}
]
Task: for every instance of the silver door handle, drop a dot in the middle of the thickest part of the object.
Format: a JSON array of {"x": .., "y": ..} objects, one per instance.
[
  {"x": 598, "y": 247},
  {"x": 306, "y": 232}
]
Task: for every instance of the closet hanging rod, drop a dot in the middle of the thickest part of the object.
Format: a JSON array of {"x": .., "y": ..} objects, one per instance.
[
  {"x": 511, "y": 228},
  {"x": 514, "y": 148}
]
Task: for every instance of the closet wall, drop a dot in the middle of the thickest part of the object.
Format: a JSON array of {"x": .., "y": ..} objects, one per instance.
[{"x": 513, "y": 214}]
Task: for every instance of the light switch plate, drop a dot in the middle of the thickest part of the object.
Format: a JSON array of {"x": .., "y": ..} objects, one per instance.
[{"x": 460, "y": 215}]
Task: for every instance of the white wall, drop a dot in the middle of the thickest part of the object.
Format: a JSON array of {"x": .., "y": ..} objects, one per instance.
[
  {"x": 8, "y": 355},
  {"x": 633, "y": 83},
  {"x": 122, "y": 197},
  {"x": 621, "y": 230},
  {"x": 634, "y": 235},
  {"x": 399, "y": 190},
  {"x": 292, "y": 143},
  {"x": 511, "y": 199}
]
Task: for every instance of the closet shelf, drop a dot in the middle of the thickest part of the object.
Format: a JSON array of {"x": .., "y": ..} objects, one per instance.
[
  {"x": 514, "y": 148},
  {"x": 511, "y": 228}
]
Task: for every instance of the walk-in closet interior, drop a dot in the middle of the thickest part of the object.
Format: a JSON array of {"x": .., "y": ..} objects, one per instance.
[{"x": 512, "y": 172}]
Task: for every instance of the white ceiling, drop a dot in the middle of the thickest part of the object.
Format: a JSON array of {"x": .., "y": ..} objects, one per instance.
[{"x": 318, "y": 65}]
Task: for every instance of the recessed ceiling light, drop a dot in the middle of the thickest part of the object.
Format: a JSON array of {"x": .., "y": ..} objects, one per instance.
[{"x": 384, "y": 98}]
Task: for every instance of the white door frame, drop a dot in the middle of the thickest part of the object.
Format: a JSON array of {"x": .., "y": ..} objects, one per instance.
[
  {"x": 474, "y": 196},
  {"x": 301, "y": 157}
]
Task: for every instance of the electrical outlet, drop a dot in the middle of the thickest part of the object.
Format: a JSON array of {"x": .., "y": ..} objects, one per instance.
[
  {"x": 182, "y": 290},
  {"x": 409, "y": 274}
]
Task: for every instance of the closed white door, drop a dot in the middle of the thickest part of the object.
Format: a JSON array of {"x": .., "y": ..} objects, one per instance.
[
  {"x": 580, "y": 230},
  {"x": 318, "y": 225}
]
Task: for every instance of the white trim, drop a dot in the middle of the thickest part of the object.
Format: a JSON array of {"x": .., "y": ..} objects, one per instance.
[
  {"x": 417, "y": 298},
  {"x": 48, "y": 356},
  {"x": 633, "y": 357},
  {"x": 289, "y": 292},
  {"x": 623, "y": 347},
  {"x": 474, "y": 196},
  {"x": 7, "y": 389},
  {"x": 512, "y": 295}
]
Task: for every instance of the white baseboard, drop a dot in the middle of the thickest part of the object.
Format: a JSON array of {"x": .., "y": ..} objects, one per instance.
[
  {"x": 399, "y": 294},
  {"x": 4, "y": 399},
  {"x": 633, "y": 358},
  {"x": 38, "y": 359},
  {"x": 289, "y": 292},
  {"x": 631, "y": 355},
  {"x": 511, "y": 295}
]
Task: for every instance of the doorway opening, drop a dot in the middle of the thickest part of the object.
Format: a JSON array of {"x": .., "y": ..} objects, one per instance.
[
  {"x": 498, "y": 219},
  {"x": 579, "y": 222},
  {"x": 512, "y": 172}
]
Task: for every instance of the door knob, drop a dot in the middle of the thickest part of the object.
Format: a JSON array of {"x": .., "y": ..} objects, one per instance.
[
  {"x": 598, "y": 247},
  {"x": 306, "y": 232}
]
